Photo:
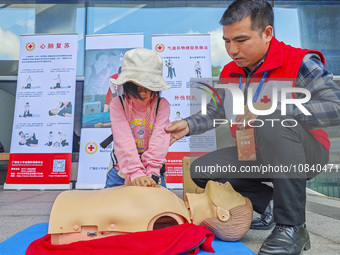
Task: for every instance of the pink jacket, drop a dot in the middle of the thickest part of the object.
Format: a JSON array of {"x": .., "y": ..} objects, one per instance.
[{"x": 129, "y": 130}]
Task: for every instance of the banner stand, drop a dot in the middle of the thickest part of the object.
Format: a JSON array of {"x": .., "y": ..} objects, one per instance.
[
  {"x": 43, "y": 121},
  {"x": 37, "y": 186},
  {"x": 184, "y": 57},
  {"x": 103, "y": 58}
]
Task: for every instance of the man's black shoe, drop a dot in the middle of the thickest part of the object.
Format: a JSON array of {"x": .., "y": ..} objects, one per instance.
[
  {"x": 266, "y": 220},
  {"x": 286, "y": 240}
]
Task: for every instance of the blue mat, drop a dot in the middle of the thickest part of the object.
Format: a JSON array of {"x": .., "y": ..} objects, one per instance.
[
  {"x": 17, "y": 244},
  {"x": 229, "y": 248}
]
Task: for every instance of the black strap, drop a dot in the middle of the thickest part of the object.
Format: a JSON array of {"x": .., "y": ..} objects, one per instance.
[
  {"x": 107, "y": 141},
  {"x": 122, "y": 100},
  {"x": 157, "y": 105}
]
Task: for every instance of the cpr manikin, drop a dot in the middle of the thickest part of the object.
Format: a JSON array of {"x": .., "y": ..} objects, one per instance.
[{"x": 86, "y": 215}]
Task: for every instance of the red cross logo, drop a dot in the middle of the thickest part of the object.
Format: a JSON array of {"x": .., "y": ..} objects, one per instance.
[
  {"x": 160, "y": 47},
  {"x": 30, "y": 46},
  {"x": 92, "y": 110},
  {"x": 265, "y": 100},
  {"x": 91, "y": 148}
]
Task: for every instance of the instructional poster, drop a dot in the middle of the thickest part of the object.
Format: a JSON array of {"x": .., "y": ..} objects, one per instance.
[
  {"x": 41, "y": 147},
  {"x": 184, "y": 57},
  {"x": 103, "y": 59}
]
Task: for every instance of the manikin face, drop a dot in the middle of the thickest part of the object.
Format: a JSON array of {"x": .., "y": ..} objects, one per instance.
[
  {"x": 244, "y": 45},
  {"x": 144, "y": 93}
]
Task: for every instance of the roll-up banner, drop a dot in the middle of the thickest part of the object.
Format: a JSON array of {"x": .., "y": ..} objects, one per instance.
[
  {"x": 185, "y": 58},
  {"x": 41, "y": 146},
  {"x": 103, "y": 58}
]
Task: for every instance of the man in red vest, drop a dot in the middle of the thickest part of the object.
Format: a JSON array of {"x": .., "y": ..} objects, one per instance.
[{"x": 290, "y": 148}]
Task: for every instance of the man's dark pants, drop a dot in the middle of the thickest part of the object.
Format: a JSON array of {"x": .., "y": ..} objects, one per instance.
[{"x": 292, "y": 147}]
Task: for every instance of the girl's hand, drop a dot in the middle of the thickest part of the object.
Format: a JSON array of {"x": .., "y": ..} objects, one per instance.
[{"x": 144, "y": 181}]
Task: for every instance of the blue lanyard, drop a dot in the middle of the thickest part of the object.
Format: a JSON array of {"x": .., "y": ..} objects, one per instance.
[{"x": 257, "y": 93}]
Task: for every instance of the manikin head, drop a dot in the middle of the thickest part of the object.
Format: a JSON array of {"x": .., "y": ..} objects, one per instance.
[{"x": 222, "y": 210}]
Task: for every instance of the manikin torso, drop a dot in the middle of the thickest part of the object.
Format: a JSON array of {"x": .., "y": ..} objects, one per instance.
[{"x": 86, "y": 215}]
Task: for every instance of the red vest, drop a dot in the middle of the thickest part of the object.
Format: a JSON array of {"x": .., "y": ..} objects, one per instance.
[{"x": 282, "y": 63}]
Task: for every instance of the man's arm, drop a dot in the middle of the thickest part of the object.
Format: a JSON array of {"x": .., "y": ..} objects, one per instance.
[
  {"x": 324, "y": 104},
  {"x": 199, "y": 123}
]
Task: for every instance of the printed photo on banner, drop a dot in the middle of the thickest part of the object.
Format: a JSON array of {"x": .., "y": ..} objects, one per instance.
[
  {"x": 29, "y": 84},
  {"x": 58, "y": 83},
  {"x": 28, "y": 112},
  {"x": 100, "y": 65},
  {"x": 57, "y": 139},
  {"x": 170, "y": 68},
  {"x": 28, "y": 138},
  {"x": 62, "y": 109}
]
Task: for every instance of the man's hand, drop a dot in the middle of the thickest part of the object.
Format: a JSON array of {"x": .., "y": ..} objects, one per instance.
[
  {"x": 144, "y": 181},
  {"x": 249, "y": 117},
  {"x": 178, "y": 130}
]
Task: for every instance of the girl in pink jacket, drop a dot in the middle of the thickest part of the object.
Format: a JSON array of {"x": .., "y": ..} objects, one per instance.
[{"x": 138, "y": 120}]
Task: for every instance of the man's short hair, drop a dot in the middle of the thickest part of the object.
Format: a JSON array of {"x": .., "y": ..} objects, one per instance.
[{"x": 260, "y": 13}]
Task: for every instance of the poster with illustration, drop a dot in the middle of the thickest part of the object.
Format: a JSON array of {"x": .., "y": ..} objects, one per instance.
[
  {"x": 103, "y": 59},
  {"x": 185, "y": 57},
  {"x": 43, "y": 108}
]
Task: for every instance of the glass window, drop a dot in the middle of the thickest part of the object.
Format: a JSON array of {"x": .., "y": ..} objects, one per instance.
[
  {"x": 165, "y": 17},
  {"x": 317, "y": 25},
  {"x": 7, "y": 100},
  {"x": 51, "y": 18}
]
